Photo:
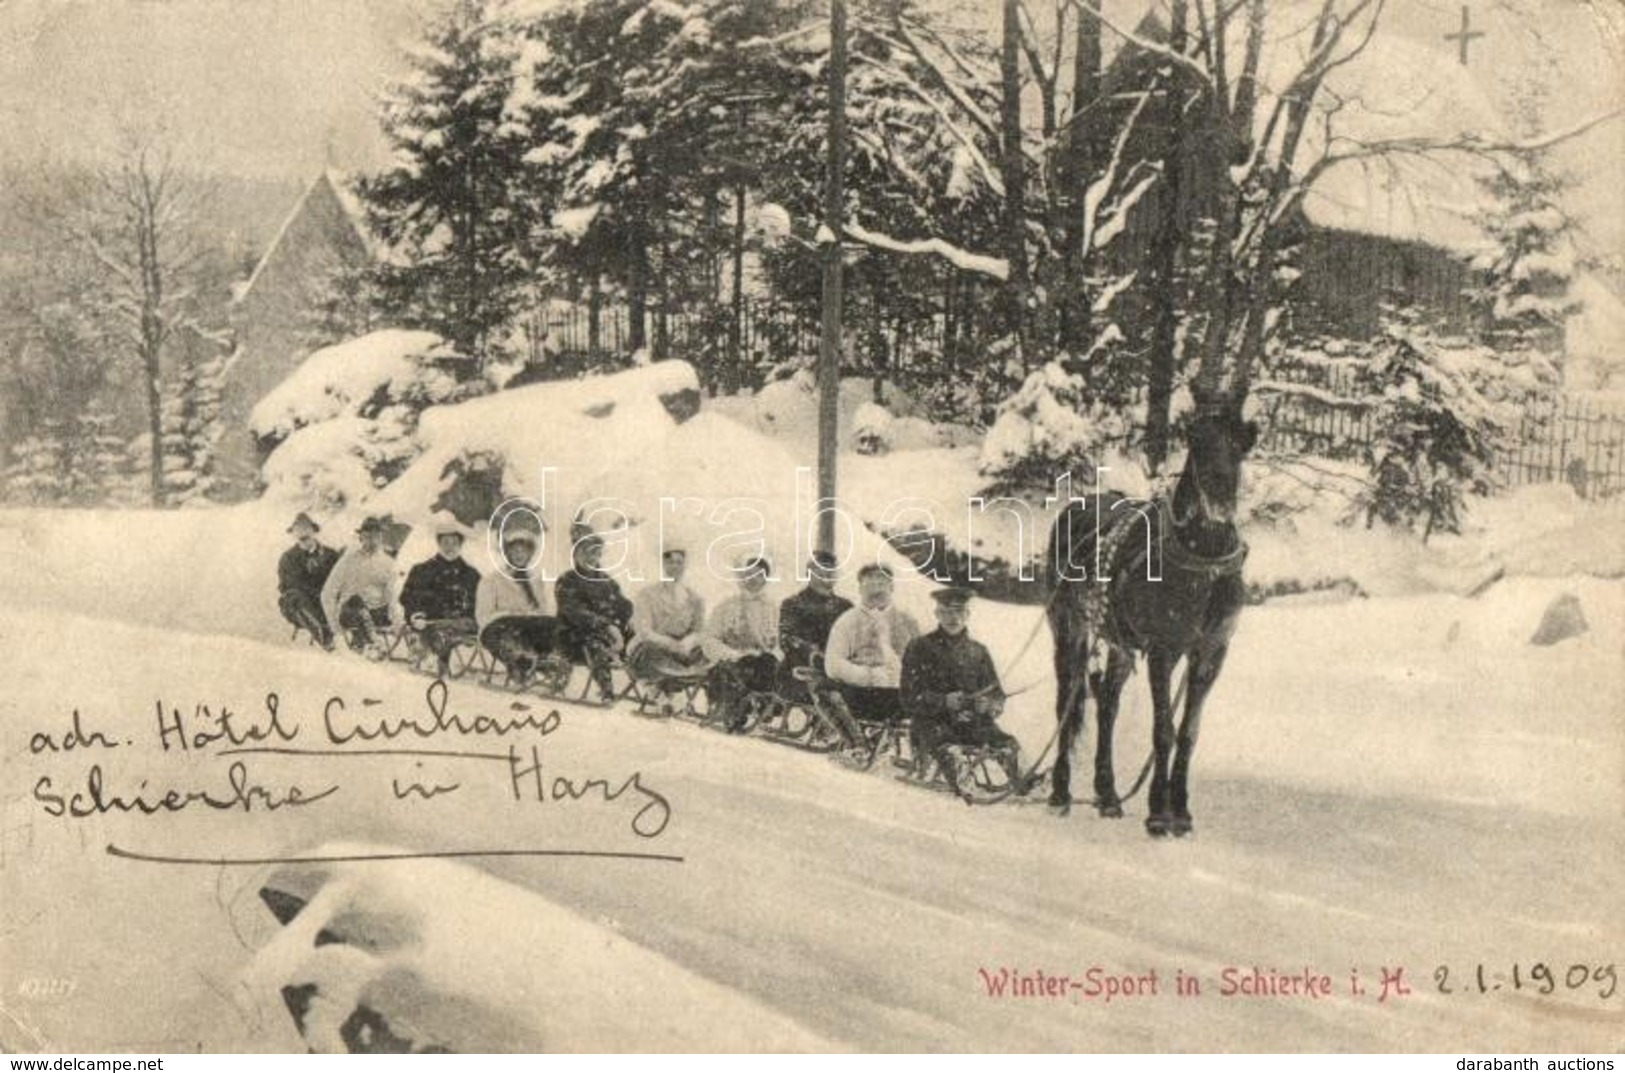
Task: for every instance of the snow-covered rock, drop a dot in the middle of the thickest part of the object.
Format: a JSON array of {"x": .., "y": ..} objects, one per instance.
[{"x": 1564, "y": 618}]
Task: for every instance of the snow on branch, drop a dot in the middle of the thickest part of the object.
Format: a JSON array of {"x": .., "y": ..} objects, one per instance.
[
  {"x": 903, "y": 81},
  {"x": 1466, "y": 143},
  {"x": 1310, "y": 391},
  {"x": 1095, "y": 8},
  {"x": 963, "y": 259},
  {"x": 979, "y": 73},
  {"x": 1095, "y": 195},
  {"x": 906, "y": 43}
]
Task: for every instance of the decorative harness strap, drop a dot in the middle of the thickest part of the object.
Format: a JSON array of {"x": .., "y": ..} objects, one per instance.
[
  {"x": 1186, "y": 561},
  {"x": 1176, "y": 559}
]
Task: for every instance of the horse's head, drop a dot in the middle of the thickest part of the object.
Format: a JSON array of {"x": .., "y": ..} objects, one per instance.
[{"x": 1219, "y": 439}]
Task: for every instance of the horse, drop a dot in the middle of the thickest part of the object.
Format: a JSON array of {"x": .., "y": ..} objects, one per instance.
[{"x": 1176, "y": 593}]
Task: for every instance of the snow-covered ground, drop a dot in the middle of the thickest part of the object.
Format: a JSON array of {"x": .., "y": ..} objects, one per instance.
[
  {"x": 1387, "y": 782},
  {"x": 1393, "y": 781}
]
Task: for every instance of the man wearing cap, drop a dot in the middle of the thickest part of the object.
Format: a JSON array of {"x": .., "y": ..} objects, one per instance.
[
  {"x": 438, "y": 597},
  {"x": 361, "y": 588},
  {"x": 805, "y": 619},
  {"x": 594, "y": 613},
  {"x": 668, "y": 620},
  {"x": 741, "y": 640},
  {"x": 300, "y": 575},
  {"x": 864, "y": 653},
  {"x": 951, "y": 691},
  {"x": 512, "y": 607}
]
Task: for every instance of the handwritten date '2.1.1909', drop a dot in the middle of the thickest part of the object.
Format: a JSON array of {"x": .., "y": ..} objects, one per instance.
[{"x": 1540, "y": 978}]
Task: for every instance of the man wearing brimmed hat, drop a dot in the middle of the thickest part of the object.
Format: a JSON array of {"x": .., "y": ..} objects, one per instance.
[
  {"x": 951, "y": 691},
  {"x": 300, "y": 575},
  {"x": 594, "y": 614},
  {"x": 438, "y": 597},
  {"x": 864, "y": 654},
  {"x": 513, "y": 607},
  {"x": 742, "y": 637},
  {"x": 361, "y": 588},
  {"x": 668, "y": 621}
]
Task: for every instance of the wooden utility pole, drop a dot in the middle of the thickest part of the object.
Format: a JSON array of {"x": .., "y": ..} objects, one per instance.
[{"x": 829, "y": 243}]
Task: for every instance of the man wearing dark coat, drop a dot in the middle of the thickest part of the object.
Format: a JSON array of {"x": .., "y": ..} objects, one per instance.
[
  {"x": 301, "y": 573},
  {"x": 438, "y": 596},
  {"x": 951, "y": 691},
  {"x": 596, "y": 615},
  {"x": 805, "y": 619}
]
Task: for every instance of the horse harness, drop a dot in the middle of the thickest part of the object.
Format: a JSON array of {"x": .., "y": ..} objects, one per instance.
[{"x": 1179, "y": 564}]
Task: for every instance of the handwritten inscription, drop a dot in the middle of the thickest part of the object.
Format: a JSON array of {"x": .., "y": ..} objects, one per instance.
[{"x": 112, "y": 780}]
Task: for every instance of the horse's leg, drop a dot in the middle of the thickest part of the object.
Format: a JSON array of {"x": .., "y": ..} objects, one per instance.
[
  {"x": 1071, "y": 692},
  {"x": 1160, "y": 669},
  {"x": 1119, "y": 664},
  {"x": 1204, "y": 667}
]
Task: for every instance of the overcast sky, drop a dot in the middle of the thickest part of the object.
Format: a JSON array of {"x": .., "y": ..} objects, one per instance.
[{"x": 275, "y": 87}]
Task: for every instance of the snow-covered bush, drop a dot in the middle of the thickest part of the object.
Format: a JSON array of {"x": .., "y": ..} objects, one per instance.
[
  {"x": 1046, "y": 428},
  {"x": 1444, "y": 410},
  {"x": 346, "y": 420},
  {"x": 359, "y": 377},
  {"x": 871, "y": 430}
]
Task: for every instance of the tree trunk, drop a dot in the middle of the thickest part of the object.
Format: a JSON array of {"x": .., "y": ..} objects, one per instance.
[
  {"x": 637, "y": 291},
  {"x": 662, "y": 280},
  {"x": 595, "y": 318},
  {"x": 1075, "y": 173},
  {"x": 736, "y": 322},
  {"x": 470, "y": 336},
  {"x": 155, "y": 423},
  {"x": 1168, "y": 293},
  {"x": 1019, "y": 287}
]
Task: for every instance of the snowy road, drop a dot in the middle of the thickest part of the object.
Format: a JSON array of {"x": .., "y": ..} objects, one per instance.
[{"x": 1437, "y": 810}]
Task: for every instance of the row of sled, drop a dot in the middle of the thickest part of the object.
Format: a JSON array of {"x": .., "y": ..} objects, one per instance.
[{"x": 810, "y": 723}]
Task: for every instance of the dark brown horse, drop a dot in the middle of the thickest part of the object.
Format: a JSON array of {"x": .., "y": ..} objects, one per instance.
[{"x": 1162, "y": 578}]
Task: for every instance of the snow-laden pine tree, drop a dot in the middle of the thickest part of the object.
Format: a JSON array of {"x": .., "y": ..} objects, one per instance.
[
  {"x": 1446, "y": 409},
  {"x": 650, "y": 127},
  {"x": 447, "y": 204},
  {"x": 103, "y": 463},
  {"x": 1523, "y": 290},
  {"x": 1049, "y": 427},
  {"x": 35, "y": 475},
  {"x": 192, "y": 428}
]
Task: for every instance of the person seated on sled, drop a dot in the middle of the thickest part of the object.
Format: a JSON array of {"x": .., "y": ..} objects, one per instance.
[
  {"x": 361, "y": 588},
  {"x": 300, "y": 575},
  {"x": 595, "y": 617},
  {"x": 438, "y": 597},
  {"x": 951, "y": 691},
  {"x": 864, "y": 654},
  {"x": 668, "y": 625},
  {"x": 742, "y": 639},
  {"x": 512, "y": 608},
  {"x": 805, "y": 620}
]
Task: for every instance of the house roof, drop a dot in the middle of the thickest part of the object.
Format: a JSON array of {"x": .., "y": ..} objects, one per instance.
[
  {"x": 330, "y": 183},
  {"x": 1399, "y": 89}
]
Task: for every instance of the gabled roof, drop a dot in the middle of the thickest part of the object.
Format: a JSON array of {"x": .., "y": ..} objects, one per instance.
[{"x": 327, "y": 184}]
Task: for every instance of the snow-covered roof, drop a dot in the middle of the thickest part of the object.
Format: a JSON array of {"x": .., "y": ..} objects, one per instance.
[{"x": 352, "y": 212}]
